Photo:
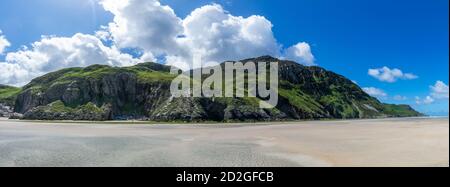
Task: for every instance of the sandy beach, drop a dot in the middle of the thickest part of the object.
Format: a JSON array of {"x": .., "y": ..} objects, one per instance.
[{"x": 380, "y": 142}]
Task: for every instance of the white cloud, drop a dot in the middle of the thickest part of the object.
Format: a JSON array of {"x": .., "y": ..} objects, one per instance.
[
  {"x": 427, "y": 100},
  {"x": 410, "y": 76},
  {"x": 375, "y": 92},
  {"x": 103, "y": 34},
  {"x": 400, "y": 98},
  {"x": 439, "y": 90},
  {"x": 156, "y": 32},
  {"x": 144, "y": 24},
  {"x": 300, "y": 53},
  {"x": 220, "y": 36},
  {"x": 53, "y": 53},
  {"x": 209, "y": 31},
  {"x": 4, "y": 43},
  {"x": 386, "y": 74}
]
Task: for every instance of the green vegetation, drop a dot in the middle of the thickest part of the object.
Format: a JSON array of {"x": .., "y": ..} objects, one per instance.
[
  {"x": 301, "y": 100},
  {"x": 101, "y": 92},
  {"x": 8, "y": 94},
  {"x": 143, "y": 72},
  {"x": 59, "y": 111},
  {"x": 154, "y": 76},
  {"x": 60, "y": 107},
  {"x": 92, "y": 72},
  {"x": 399, "y": 111}
]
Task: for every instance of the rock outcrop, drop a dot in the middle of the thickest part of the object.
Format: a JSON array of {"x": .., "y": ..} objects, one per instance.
[
  {"x": 7, "y": 98},
  {"x": 143, "y": 92}
]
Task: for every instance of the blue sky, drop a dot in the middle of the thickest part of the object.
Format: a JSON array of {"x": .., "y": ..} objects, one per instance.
[{"x": 348, "y": 36}]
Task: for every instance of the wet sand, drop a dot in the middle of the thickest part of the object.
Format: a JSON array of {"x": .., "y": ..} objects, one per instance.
[{"x": 381, "y": 142}]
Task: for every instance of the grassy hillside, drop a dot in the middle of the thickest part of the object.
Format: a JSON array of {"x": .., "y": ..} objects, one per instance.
[
  {"x": 8, "y": 94},
  {"x": 143, "y": 92},
  {"x": 400, "y": 111}
]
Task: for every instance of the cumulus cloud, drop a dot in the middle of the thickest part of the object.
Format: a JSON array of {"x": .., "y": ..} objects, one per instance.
[
  {"x": 144, "y": 24},
  {"x": 301, "y": 53},
  {"x": 53, "y": 53},
  {"x": 209, "y": 31},
  {"x": 4, "y": 43},
  {"x": 219, "y": 36},
  {"x": 427, "y": 100},
  {"x": 375, "y": 92},
  {"x": 439, "y": 90},
  {"x": 386, "y": 74},
  {"x": 155, "y": 32}
]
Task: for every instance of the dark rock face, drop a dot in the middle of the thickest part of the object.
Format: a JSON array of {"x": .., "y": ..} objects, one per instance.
[
  {"x": 143, "y": 92},
  {"x": 121, "y": 91},
  {"x": 27, "y": 101},
  {"x": 5, "y": 111},
  {"x": 185, "y": 109}
]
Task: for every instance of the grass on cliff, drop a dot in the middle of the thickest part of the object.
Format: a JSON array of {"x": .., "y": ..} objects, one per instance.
[
  {"x": 300, "y": 100},
  {"x": 399, "y": 110},
  {"x": 143, "y": 72},
  {"x": 8, "y": 94},
  {"x": 326, "y": 95},
  {"x": 60, "y": 107},
  {"x": 154, "y": 76},
  {"x": 95, "y": 71}
]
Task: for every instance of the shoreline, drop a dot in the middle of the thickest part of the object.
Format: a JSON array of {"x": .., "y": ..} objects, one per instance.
[{"x": 206, "y": 123}]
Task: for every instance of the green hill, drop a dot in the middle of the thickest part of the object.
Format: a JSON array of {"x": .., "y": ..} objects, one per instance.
[
  {"x": 143, "y": 92},
  {"x": 8, "y": 94}
]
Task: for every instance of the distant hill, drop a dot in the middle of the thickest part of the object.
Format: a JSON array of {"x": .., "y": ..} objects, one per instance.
[{"x": 101, "y": 92}]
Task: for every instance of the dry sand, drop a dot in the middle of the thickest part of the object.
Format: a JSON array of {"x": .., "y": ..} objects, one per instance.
[{"x": 381, "y": 142}]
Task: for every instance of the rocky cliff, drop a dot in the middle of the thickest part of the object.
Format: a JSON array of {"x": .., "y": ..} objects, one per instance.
[
  {"x": 143, "y": 92},
  {"x": 7, "y": 98}
]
